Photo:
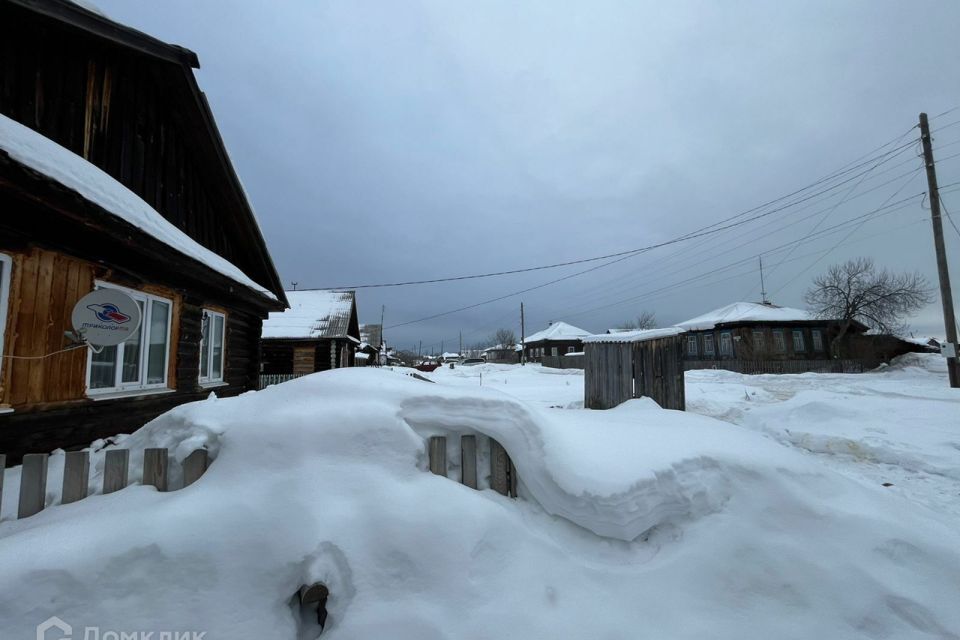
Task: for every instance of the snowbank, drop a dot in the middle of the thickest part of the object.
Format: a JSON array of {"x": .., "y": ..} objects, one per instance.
[{"x": 634, "y": 522}]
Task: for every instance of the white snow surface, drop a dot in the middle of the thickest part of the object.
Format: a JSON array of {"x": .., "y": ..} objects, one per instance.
[
  {"x": 632, "y": 523},
  {"x": 744, "y": 312},
  {"x": 310, "y": 315},
  {"x": 639, "y": 335},
  {"x": 45, "y": 156},
  {"x": 557, "y": 331}
]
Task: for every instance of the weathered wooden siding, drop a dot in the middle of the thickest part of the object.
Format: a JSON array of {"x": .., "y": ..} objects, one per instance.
[
  {"x": 304, "y": 359},
  {"x": 617, "y": 372}
]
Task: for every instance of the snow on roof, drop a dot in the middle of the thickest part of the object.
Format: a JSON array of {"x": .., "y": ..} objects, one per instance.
[
  {"x": 640, "y": 335},
  {"x": 745, "y": 312},
  {"x": 33, "y": 150},
  {"x": 450, "y": 355},
  {"x": 557, "y": 331},
  {"x": 312, "y": 314}
]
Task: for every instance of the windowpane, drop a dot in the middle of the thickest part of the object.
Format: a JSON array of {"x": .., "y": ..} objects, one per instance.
[
  {"x": 103, "y": 368},
  {"x": 131, "y": 351},
  {"x": 798, "y": 341},
  {"x": 708, "y": 343},
  {"x": 817, "y": 340},
  {"x": 157, "y": 347},
  {"x": 216, "y": 364},
  {"x": 205, "y": 346},
  {"x": 726, "y": 344},
  {"x": 692, "y": 345},
  {"x": 778, "y": 342},
  {"x": 758, "y": 340}
]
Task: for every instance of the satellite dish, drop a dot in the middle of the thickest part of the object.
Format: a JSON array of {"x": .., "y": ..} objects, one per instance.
[{"x": 106, "y": 317}]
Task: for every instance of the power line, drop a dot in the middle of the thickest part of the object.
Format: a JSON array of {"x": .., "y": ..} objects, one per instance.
[{"x": 694, "y": 234}]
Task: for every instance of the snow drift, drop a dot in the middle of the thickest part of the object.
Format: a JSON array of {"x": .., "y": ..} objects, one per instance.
[{"x": 635, "y": 522}]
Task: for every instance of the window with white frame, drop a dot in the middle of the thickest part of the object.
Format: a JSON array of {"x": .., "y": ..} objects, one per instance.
[
  {"x": 726, "y": 344},
  {"x": 708, "y": 344},
  {"x": 211, "y": 346},
  {"x": 778, "y": 342},
  {"x": 6, "y": 266},
  {"x": 691, "y": 345},
  {"x": 758, "y": 340},
  {"x": 553, "y": 351},
  {"x": 817, "y": 340},
  {"x": 139, "y": 363},
  {"x": 798, "y": 345},
  {"x": 571, "y": 349}
]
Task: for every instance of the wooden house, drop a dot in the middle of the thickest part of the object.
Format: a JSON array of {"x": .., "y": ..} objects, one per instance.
[
  {"x": 113, "y": 175},
  {"x": 318, "y": 332},
  {"x": 502, "y": 354},
  {"x": 558, "y": 339},
  {"x": 761, "y": 338}
]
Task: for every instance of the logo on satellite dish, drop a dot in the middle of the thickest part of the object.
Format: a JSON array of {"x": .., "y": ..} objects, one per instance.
[{"x": 109, "y": 313}]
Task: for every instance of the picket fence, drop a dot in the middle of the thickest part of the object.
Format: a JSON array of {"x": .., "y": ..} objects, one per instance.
[
  {"x": 503, "y": 475},
  {"x": 276, "y": 378},
  {"x": 76, "y": 475}
]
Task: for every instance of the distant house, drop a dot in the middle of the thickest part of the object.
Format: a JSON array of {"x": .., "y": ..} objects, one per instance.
[
  {"x": 318, "y": 332},
  {"x": 741, "y": 333},
  {"x": 371, "y": 334},
  {"x": 113, "y": 175},
  {"x": 559, "y": 338},
  {"x": 450, "y": 357},
  {"x": 502, "y": 354},
  {"x": 366, "y": 354}
]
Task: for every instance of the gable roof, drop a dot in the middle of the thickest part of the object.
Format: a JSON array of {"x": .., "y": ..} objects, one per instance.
[
  {"x": 557, "y": 331},
  {"x": 637, "y": 335},
  {"x": 30, "y": 149},
  {"x": 745, "y": 312},
  {"x": 180, "y": 62},
  {"x": 315, "y": 315}
]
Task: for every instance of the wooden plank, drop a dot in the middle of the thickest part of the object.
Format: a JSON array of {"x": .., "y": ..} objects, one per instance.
[
  {"x": 39, "y": 328},
  {"x": 76, "y": 475},
  {"x": 194, "y": 466},
  {"x": 116, "y": 468},
  {"x": 499, "y": 468},
  {"x": 437, "y": 452},
  {"x": 33, "y": 484},
  {"x": 468, "y": 461},
  {"x": 514, "y": 478},
  {"x": 155, "y": 468}
]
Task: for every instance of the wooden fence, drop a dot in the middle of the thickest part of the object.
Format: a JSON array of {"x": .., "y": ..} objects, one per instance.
[
  {"x": 76, "y": 475},
  {"x": 563, "y": 362},
  {"x": 503, "y": 475},
  {"x": 754, "y": 367},
  {"x": 618, "y": 371},
  {"x": 276, "y": 378}
]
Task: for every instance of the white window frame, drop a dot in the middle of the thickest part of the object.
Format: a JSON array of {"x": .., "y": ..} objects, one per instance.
[
  {"x": 553, "y": 352},
  {"x": 797, "y": 335},
  {"x": 131, "y": 388},
  {"x": 817, "y": 339},
  {"x": 758, "y": 340},
  {"x": 208, "y": 379},
  {"x": 7, "y": 263},
  {"x": 726, "y": 343},
  {"x": 709, "y": 348},
  {"x": 692, "y": 345},
  {"x": 779, "y": 341}
]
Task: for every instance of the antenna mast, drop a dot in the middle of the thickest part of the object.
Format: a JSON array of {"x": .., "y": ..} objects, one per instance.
[{"x": 763, "y": 288}]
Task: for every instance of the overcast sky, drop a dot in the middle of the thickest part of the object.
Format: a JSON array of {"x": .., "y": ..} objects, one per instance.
[{"x": 385, "y": 141}]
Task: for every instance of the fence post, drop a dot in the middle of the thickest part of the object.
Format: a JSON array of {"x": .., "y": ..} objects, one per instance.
[
  {"x": 76, "y": 475},
  {"x": 437, "y": 453},
  {"x": 499, "y": 468},
  {"x": 194, "y": 466},
  {"x": 468, "y": 461},
  {"x": 116, "y": 466},
  {"x": 155, "y": 468},
  {"x": 3, "y": 465},
  {"x": 33, "y": 484}
]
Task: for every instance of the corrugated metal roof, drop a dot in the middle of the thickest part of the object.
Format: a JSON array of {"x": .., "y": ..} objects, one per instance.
[{"x": 312, "y": 314}]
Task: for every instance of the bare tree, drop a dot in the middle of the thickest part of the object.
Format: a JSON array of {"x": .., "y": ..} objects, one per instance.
[
  {"x": 646, "y": 320},
  {"x": 504, "y": 338},
  {"x": 857, "y": 290}
]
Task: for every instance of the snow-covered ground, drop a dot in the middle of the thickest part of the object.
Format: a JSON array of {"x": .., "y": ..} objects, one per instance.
[{"x": 632, "y": 523}]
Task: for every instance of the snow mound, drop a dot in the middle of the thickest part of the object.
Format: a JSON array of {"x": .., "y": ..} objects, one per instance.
[{"x": 633, "y": 522}]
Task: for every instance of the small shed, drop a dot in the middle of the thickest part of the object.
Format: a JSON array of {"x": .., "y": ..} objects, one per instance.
[
  {"x": 318, "y": 332},
  {"x": 634, "y": 364}
]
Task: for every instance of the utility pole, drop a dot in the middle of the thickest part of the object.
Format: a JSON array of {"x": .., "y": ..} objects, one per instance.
[
  {"x": 294, "y": 285},
  {"x": 763, "y": 288},
  {"x": 419, "y": 349},
  {"x": 461, "y": 342},
  {"x": 523, "y": 337},
  {"x": 946, "y": 296},
  {"x": 383, "y": 343}
]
